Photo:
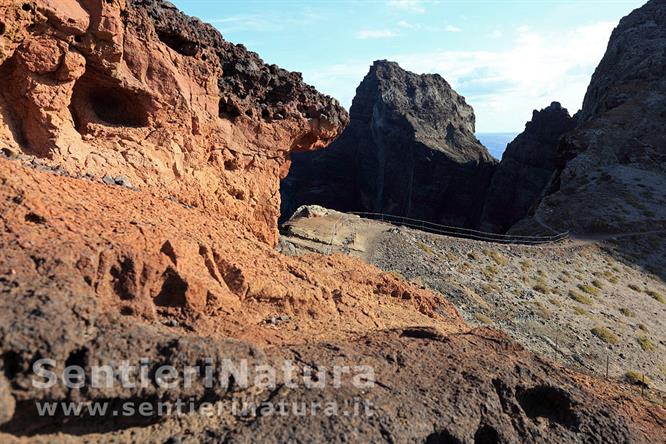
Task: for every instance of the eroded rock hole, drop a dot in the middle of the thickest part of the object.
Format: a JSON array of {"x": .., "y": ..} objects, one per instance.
[
  {"x": 486, "y": 435},
  {"x": 3, "y": 28},
  {"x": 99, "y": 99},
  {"x": 551, "y": 403},
  {"x": 174, "y": 290},
  {"x": 228, "y": 110},
  {"x": 124, "y": 276},
  {"x": 35, "y": 218},
  {"x": 443, "y": 437},
  {"x": 77, "y": 358},
  {"x": 116, "y": 107},
  {"x": 420, "y": 333},
  {"x": 11, "y": 364},
  {"x": 178, "y": 43}
]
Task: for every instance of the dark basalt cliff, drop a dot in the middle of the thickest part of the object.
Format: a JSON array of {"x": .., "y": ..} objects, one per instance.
[
  {"x": 611, "y": 172},
  {"x": 526, "y": 168},
  {"x": 409, "y": 150}
]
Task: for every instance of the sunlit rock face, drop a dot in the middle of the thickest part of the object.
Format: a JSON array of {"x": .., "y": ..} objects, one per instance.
[{"x": 138, "y": 89}]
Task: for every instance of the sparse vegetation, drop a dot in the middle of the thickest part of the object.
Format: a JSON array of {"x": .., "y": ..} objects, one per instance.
[
  {"x": 646, "y": 344},
  {"x": 656, "y": 296},
  {"x": 425, "y": 248},
  {"x": 628, "y": 313},
  {"x": 605, "y": 335},
  {"x": 589, "y": 289},
  {"x": 637, "y": 378},
  {"x": 498, "y": 257},
  {"x": 490, "y": 271},
  {"x": 555, "y": 302},
  {"x": 525, "y": 265},
  {"x": 541, "y": 310},
  {"x": 610, "y": 277},
  {"x": 541, "y": 288},
  {"x": 634, "y": 287},
  {"x": 489, "y": 288},
  {"x": 580, "y": 311},
  {"x": 580, "y": 298},
  {"x": 597, "y": 283},
  {"x": 483, "y": 319},
  {"x": 473, "y": 255}
]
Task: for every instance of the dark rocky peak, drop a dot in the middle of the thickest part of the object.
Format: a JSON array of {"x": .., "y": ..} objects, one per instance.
[
  {"x": 550, "y": 122},
  {"x": 612, "y": 169},
  {"x": 635, "y": 55},
  {"x": 441, "y": 118},
  {"x": 538, "y": 144},
  {"x": 409, "y": 150},
  {"x": 526, "y": 168}
]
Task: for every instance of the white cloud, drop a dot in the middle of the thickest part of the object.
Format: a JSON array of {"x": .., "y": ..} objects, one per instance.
[
  {"x": 496, "y": 34},
  {"x": 451, "y": 28},
  {"x": 375, "y": 34},
  {"x": 406, "y": 25},
  {"x": 244, "y": 23},
  {"x": 503, "y": 86},
  {"x": 407, "y": 5}
]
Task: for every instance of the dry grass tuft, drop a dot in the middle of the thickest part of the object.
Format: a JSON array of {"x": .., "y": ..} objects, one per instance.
[
  {"x": 498, "y": 257},
  {"x": 637, "y": 378},
  {"x": 594, "y": 291},
  {"x": 656, "y": 296},
  {"x": 580, "y": 298},
  {"x": 483, "y": 319},
  {"x": 605, "y": 335},
  {"x": 628, "y": 313},
  {"x": 580, "y": 311},
  {"x": 646, "y": 344},
  {"x": 425, "y": 248}
]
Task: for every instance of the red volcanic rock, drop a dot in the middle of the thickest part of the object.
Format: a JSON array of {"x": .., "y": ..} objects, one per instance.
[{"x": 138, "y": 89}]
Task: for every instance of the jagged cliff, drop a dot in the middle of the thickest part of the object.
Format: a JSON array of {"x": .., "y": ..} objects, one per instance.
[
  {"x": 409, "y": 150},
  {"x": 611, "y": 171},
  {"x": 526, "y": 168}
]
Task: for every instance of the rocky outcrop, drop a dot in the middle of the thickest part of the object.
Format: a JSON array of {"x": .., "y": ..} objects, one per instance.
[
  {"x": 612, "y": 169},
  {"x": 137, "y": 89},
  {"x": 526, "y": 168},
  {"x": 409, "y": 150}
]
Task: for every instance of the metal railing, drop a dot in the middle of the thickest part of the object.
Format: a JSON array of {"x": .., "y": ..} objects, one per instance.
[{"x": 466, "y": 233}]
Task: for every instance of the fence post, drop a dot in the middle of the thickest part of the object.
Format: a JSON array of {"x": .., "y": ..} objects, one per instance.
[{"x": 607, "y": 364}]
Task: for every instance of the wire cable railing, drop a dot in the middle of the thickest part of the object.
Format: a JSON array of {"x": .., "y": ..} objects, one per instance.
[{"x": 466, "y": 233}]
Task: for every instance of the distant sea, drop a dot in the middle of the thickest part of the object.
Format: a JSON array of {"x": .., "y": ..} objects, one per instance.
[{"x": 496, "y": 142}]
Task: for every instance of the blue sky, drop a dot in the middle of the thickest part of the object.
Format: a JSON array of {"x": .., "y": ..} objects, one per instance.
[{"x": 507, "y": 57}]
